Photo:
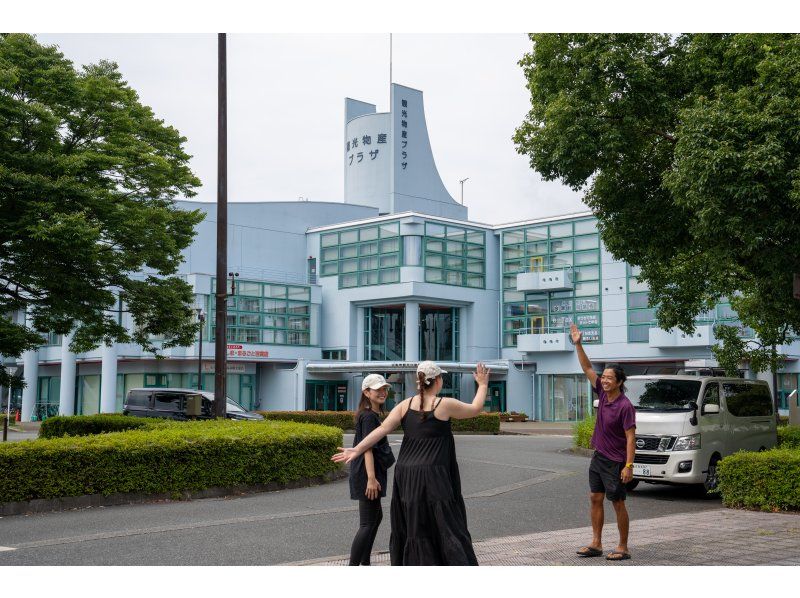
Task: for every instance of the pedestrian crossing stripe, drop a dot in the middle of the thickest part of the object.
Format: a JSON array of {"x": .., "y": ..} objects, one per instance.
[{"x": 6, "y": 548}]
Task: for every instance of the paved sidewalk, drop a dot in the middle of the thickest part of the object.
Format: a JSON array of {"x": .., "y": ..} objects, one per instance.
[{"x": 719, "y": 537}]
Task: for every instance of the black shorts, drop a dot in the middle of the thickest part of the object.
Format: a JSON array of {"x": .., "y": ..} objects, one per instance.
[{"x": 604, "y": 476}]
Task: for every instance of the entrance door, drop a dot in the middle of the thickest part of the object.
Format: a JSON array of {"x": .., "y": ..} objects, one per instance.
[
  {"x": 496, "y": 397},
  {"x": 326, "y": 395}
]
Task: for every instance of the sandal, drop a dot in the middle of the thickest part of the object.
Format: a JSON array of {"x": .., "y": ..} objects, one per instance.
[
  {"x": 589, "y": 551},
  {"x": 617, "y": 556}
]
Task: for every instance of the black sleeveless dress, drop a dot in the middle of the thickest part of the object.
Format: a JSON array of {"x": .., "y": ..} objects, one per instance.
[{"x": 429, "y": 519}]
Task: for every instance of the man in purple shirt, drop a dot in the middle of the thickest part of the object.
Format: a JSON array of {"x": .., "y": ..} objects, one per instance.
[{"x": 613, "y": 440}]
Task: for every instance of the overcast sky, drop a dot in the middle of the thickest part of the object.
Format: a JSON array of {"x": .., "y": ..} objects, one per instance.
[{"x": 286, "y": 109}]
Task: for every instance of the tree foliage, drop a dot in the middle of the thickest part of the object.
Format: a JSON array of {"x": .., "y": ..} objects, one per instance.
[
  {"x": 688, "y": 150},
  {"x": 88, "y": 175}
]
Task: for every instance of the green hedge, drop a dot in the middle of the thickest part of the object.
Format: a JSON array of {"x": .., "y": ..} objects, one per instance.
[
  {"x": 169, "y": 458},
  {"x": 582, "y": 432},
  {"x": 86, "y": 425},
  {"x": 789, "y": 437},
  {"x": 345, "y": 420},
  {"x": 768, "y": 480}
]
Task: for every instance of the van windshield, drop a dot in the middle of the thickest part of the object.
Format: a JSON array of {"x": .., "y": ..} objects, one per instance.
[{"x": 662, "y": 395}]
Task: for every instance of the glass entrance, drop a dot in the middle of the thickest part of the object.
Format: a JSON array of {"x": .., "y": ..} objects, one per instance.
[
  {"x": 326, "y": 395},
  {"x": 496, "y": 398}
]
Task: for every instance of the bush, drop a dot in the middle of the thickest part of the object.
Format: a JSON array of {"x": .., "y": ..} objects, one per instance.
[
  {"x": 86, "y": 425},
  {"x": 783, "y": 420},
  {"x": 170, "y": 457},
  {"x": 768, "y": 480},
  {"x": 582, "y": 432},
  {"x": 345, "y": 420},
  {"x": 789, "y": 437}
]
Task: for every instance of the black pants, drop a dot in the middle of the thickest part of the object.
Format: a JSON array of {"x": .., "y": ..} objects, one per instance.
[{"x": 370, "y": 515}]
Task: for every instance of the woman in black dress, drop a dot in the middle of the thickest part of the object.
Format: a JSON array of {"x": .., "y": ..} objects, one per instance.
[
  {"x": 429, "y": 520},
  {"x": 368, "y": 471}
]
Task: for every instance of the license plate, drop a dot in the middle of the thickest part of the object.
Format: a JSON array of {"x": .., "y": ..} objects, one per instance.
[{"x": 641, "y": 470}]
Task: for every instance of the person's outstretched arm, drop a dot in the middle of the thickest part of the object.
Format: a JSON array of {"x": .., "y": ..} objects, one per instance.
[
  {"x": 586, "y": 364},
  {"x": 453, "y": 408},
  {"x": 389, "y": 425}
]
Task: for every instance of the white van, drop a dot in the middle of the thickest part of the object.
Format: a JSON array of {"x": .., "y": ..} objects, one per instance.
[{"x": 686, "y": 424}]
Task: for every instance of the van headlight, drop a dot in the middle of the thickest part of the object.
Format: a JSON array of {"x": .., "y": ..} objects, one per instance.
[{"x": 687, "y": 443}]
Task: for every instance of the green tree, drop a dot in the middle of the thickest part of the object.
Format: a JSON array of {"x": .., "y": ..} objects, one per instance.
[
  {"x": 88, "y": 175},
  {"x": 688, "y": 150}
]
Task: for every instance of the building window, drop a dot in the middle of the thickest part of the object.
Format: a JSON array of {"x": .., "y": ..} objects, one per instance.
[
  {"x": 335, "y": 354},
  {"x": 573, "y": 246},
  {"x": 384, "y": 333},
  {"x": 363, "y": 256},
  {"x": 438, "y": 333},
  {"x": 263, "y": 313},
  {"x": 564, "y": 398},
  {"x": 454, "y": 255}
]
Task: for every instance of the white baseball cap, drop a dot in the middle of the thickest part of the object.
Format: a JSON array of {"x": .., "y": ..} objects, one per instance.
[
  {"x": 374, "y": 381},
  {"x": 430, "y": 369}
]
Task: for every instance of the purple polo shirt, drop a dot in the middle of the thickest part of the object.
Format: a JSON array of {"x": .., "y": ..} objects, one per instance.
[{"x": 612, "y": 421}]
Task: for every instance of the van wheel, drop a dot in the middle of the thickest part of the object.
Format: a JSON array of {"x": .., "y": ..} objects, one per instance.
[
  {"x": 631, "y": 486},
  {"x": 711, "y": 480}
]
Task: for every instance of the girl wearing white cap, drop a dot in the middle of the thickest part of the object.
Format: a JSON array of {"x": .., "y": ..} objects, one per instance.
[
  {"x": 429, "y": 519},
  {"x": 368, "y": 471}
]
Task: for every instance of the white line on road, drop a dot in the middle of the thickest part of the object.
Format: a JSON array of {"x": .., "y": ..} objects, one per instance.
[{"x": 6, "y": 548}]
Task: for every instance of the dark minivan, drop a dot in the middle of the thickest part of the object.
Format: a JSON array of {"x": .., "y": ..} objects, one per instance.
[{"x": 180, "y": 403}]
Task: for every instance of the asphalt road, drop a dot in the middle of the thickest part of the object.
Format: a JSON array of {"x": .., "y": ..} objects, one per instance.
[{"x": 512, "y": 485}]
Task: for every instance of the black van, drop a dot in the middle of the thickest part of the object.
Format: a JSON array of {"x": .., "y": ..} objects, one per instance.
[{"x": 180, "y": 403}]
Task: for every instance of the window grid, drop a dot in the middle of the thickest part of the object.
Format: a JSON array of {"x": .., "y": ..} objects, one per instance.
[
  {"x": 367, "y": 255},
  {"x": 454, "y": 255},
  {"x": 573, "y": 245},
  {"x": 265, "y": 314}
]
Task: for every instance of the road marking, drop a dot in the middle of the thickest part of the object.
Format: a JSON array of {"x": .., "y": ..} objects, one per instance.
[{"x": 6, "y": 548}]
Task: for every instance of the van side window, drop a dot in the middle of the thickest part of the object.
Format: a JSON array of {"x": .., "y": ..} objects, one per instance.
[
  {"x": 168, "y": 402},
  {"x": 747, "y": 400},
  {"x": 712, "y": 394},
  {"x": 139, "y": 399}
]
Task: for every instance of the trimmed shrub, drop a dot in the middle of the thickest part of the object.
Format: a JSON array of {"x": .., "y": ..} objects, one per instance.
[
  {"x": 345, "y": 420},
  {"x": 768, "y": 480},
  {"x": 86, "y": 425},
  {"x": 582, "y": 432},
  {"x": 789, "y": 437},
  {"x": 485, "y": 422},
  {"x": 169, "y": 458}
]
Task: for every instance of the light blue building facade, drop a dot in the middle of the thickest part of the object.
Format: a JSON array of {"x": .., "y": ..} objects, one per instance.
[{"x": 397, "y": 273}]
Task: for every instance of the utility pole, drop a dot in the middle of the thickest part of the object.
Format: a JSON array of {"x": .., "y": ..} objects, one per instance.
[
  {"x": 201, "y": 317},
  {"x": 462, "y": 181},
  {"x": 221, "y": 340}
]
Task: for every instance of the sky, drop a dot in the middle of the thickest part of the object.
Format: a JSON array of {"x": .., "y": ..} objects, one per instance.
[{"x": 286, "y": 109}]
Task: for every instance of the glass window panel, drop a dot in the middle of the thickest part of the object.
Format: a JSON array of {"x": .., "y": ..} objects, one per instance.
[
  {"x": 456, "y": 234},
  {"x": 560, "y": 245},
  {"x": 368, "y": 234},
  {"x": 560, "y": 322},
  {"x": 300, "y": 293},
  {"x": 638, "y": 300},
  {"x": 455, "y": 278},
  {"x": 248, "y": 288},
  {"x": 536, "y": 234},
  {"x": 510, "y": 282},
  {"x": 476, "y": 252},
  {"x": 513, "y": 296},
  {"x": 389, "y": 245},
  {"x": 330, "y": 269},
  {"x": 348, "y": 236},
  {"x": 455, "y": 248},
  {"x": 348, "y": 280},
  {"x": 475, "y": 266},
  {"x": 514, "y": 266},
  {"x": 298, "y": 308},
  {"x": 368, "y": 248},
  {"x": 434, "y": 275},
  {"x": 562, "y": 260},
  {"x": 634, "y": 286},
  {"x": 561, "y": 306},
  {"x": 297, "y": 323},
  {"x": 348, "y": 266},
  {"x": 274, "y": 305},
  {"x": 513, "y": 252},
  {"x": 583, "y": 227},
  {"x": 389, "y": 276},
  {"x": 434, "y": 261},
  {"x": 587, "y": 242},
  {"x": 641, "y": 316},
  {"x": 346, "y": 251},
  {"x": 513, "y": 237},
  {"x": 274, "y": 290},
  {"x": 368, "y": 263},
  {"x": 249, "y": 320},
  {"x": 388, "y": 261},
  {"x": 230, "y": 320},
  {"x": 638, "y": 334},
  {"x": 587, "y": 288},
  {"x": 587, "y": 273},
  {"x": 390, "y": 230},
  {"x": 587, "y": 257},
  {"x": 455, "y": 263},
  {"x": 474, "y": 281},
  {"x": 478, "y": 237},
  {"x": 587, "y": 319},
  {"x": 513, "y": 324},
  {"x": 330, "y": 254},
  {"x": 434, "y": 230},
  {"x": 726, "y": 312},
  {"x": 280, "y": 337},
  {"x": 248, "y": 304},
  {"x": 514, "y": 309},
  {"x": 329, "y": 239},
  {"x": 591, "y": 335},
  {"x": 275, "y": 321},
  {"x": 437, "y": 246},
  {"x": 561, "y": 230},
  {"x": 539, "y": 248}
]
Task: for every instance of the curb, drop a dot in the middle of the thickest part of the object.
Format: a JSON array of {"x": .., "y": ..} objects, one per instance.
[{"x": 44, "y": 505}]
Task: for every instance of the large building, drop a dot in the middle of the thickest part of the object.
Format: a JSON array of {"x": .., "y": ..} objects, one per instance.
[{"x": 328, "y": 292}]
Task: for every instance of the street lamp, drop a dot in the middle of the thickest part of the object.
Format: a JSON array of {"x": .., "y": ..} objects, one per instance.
[
  {"x": 462, "y": 181},
  {"x": 201, "y": 317},
  {"x": 10, "y": 371}
]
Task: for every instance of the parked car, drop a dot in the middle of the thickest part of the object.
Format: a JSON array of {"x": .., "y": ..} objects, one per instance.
[
  {"x": 686, "y": 424},
  {"x": 181, "y": 404}
]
